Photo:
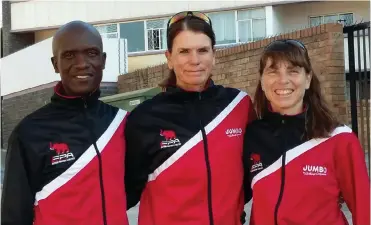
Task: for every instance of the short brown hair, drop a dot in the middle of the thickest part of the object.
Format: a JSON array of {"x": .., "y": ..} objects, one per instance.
[{"x": 320, "y": 121}]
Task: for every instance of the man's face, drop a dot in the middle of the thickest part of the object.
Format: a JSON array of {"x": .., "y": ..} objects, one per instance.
[{"x": 79, "y": 60}]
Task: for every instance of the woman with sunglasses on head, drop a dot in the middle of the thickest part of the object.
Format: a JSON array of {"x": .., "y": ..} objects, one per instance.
[
  {"x": 184, "y": 146},
  {"x": 299, "y": 159}
]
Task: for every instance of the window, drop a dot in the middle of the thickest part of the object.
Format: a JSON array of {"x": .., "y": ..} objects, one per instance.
[
  {"x": 156, "y": 34},
  {"x": 229, "y": 26},
  {"x": 239, "y": 26},
  {"x": 224, "y": 25},
  {"x": 251, "y": 25},
  {"x": 344, "y": 18},
  {"x": 134, "y": 34},
  {"x": 108, "y": 31}
]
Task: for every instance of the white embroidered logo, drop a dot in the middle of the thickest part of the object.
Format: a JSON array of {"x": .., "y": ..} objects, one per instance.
[
  {"x": 170, "y": 139},
  {"x": 63, "y": 153},
  {"x": 233, "y": 132},
  {"x": 256, "y": 163},
  {"x": 311, "y": 170}
]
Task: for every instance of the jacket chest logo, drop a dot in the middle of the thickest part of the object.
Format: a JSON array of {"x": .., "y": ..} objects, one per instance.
[
  {"x": 233, "y": 132},
  {"x": 170, "y": 139},
  {"x": 257, "y": 165},
  {"x": 61, "y": 153},
  {"x": 314, "y": 170}
]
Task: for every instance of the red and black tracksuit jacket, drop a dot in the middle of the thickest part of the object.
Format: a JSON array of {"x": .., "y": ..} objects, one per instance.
[
  {"x": 65, "y": 165},
  {"x": 299, "y": 181},
  {"x": 184, "y": 157}
]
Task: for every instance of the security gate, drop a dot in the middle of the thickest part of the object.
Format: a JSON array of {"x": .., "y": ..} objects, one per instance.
[{"x": 357, "y": 40}]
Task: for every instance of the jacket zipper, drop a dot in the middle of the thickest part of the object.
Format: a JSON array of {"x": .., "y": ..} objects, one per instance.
[
  {"x": 282, "y": 187},
  {"x": 104, "y": 214},
  {"x": 208, "y": 169}
]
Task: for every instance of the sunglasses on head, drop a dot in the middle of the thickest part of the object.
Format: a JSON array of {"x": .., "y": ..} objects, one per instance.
[
  {"x": 182, "y": 15},
  {"x": 289, "y": 41}
]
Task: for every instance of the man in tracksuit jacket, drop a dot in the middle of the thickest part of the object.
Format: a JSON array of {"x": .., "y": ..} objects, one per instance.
[{"x": 64, "y": 163}]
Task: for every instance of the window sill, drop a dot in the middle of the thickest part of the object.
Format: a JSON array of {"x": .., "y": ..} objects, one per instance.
[{"x": 152, "y": 52}]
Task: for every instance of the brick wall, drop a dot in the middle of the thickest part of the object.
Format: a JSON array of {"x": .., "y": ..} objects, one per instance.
[
  {"x": 238, "y": 66},
  {"x": 16, "y": 106}
]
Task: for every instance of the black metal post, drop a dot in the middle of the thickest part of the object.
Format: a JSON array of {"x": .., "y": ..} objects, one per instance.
[
  {"x": 360, "y": 86},
  {"x": 352, "y": 83}
]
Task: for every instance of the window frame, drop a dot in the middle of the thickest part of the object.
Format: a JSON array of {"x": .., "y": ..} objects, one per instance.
[
  {"x": 330, "y": 14},
  {"x": 146, "y": 34},
  {"x": 107, "y": 33},
  {"x": 251, "y": 23},
  {"x": 235, "y": 25}
]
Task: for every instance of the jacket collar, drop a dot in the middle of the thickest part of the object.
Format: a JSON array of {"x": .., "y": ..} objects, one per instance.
[
  {"x": 180, "y": 94},
  {"x": 298, "y": 120},
  {"x": 59, "y": 98},
  {"x": 290, "y": 130}
]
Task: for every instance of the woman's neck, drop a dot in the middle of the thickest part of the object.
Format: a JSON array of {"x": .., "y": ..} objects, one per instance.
[
  {"x": 292, "y": 111},
  {"x": 191, "y": 88}
]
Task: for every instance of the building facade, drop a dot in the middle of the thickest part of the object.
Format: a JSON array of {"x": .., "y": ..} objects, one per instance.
[{"x": 144, "y": 27}]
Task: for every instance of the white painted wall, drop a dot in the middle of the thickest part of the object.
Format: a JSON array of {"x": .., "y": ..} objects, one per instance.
[
  {"x": 31, "y": 67},
  {"x": 27, "y": 68},
  {"x": 277, "y": 21},
  {"x": 291, "y": 17},
  {"x": 269, "y": 21},
  {"x": 41, "y": 14}
]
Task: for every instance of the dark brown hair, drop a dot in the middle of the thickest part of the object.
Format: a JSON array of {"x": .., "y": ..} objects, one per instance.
[
  {"x": 189, "y": 23},
  {"x": 320, "y": 121}
]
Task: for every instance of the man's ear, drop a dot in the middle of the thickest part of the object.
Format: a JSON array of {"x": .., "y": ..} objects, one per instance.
[
  {"x": 55, "y": 64},
  {"x": 104, "y": 55},
  {"x": 168, "y": 57}
]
